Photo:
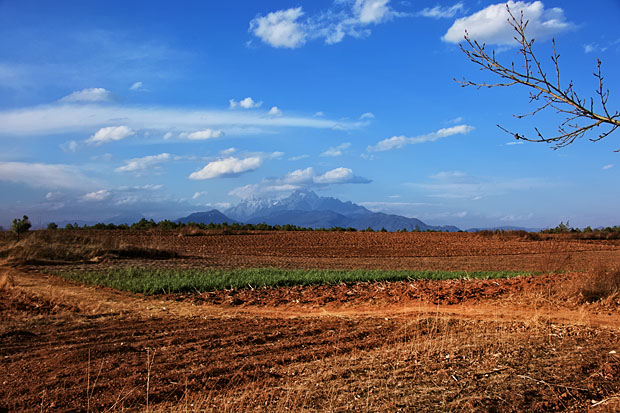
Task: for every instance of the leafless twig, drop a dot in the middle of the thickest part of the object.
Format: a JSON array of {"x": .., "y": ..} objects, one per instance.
[{"x": 548, "y": 92}]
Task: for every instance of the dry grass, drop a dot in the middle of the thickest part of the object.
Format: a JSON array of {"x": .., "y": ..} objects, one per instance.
[
  {"x": 599, "y": 284},
  {"x": 6, "y": 280},
  {"x": 62, "y": 247}
]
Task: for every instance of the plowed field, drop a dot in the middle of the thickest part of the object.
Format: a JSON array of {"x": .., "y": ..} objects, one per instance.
[{"x": 524, "y": 344}]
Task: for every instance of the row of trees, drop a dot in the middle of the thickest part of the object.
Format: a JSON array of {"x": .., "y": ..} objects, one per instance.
[{"x": 166, "y": 224}]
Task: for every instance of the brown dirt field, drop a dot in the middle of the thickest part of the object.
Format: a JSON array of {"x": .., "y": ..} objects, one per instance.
[{"x": 522, "y": 344}]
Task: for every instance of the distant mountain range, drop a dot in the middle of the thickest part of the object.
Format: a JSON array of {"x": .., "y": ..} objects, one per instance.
[{"x": 307, "y": 209}]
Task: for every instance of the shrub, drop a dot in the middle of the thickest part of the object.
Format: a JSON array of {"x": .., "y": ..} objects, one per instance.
[
  {"x": 52, "y": 226},
  {"x": 21, "y": 225}
]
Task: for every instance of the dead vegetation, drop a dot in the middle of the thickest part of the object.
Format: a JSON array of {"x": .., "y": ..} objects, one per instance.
[{"x": 64, "y": 247}]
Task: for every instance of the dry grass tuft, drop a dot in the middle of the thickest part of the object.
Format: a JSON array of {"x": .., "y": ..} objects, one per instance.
[{"x": 599, "y": 284}]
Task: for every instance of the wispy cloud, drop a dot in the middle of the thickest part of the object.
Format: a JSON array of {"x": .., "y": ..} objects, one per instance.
[
  {"x": 137, "y": 86},
  {"x": 439, "y": 12},
  {"x": 291, "y": 28},
  {"x": 398, "y": 142},
  {"x": 41, "y": 175},
  {"x": 460, "y": 185},
  {"x": 336, "y": 150},
  {"x": 143, "y": 163},
  {"x": 490, "y": 24},
  {"x": 41, "y": 120},
  {"x": 92, "y": 95},
  {"x": 609, "y": 166}
]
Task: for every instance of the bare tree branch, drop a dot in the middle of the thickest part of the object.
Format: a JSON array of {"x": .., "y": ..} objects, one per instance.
[{"x": 581, "y": 115}]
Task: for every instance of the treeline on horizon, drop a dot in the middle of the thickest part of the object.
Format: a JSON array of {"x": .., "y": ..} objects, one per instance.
[{"x": 144, "y": 224}]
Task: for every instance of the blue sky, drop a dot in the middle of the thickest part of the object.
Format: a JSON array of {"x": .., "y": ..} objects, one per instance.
[{"x": 162, "y": 109}]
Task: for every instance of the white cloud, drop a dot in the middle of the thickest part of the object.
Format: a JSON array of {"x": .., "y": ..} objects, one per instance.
[
  {"x": 247, "y": 103},
  {"x": 228, "y": 167},
  {"x": 338, "y": 175},
  {"x": 274, "y": 111},
  {"x": 228, "y": 151},
  {"x": 512, "y": 143},
  {"x": 298, "y": 158},
  {"x": 280, "y": 28},
  {"x": 70, "y": 146},
  {"x": 40, "y": 175},
  {"x": 54, "y": 196},
  {"x": 298, "y": 179},
  {"x": 110, "y": 134},
  {"x": 319, "y": 114},
  {"x": 490, "y": 24},
  {"x": 97, "y": 196},
  {"x": 367, "y": 115},
  {"x": 136, "y": 86},
  {"x": 168, "y": 135},
  {"x": 439, "y": 12},
  {"x": 398, "y": 142},
  {"x": 372, "y": 11},
  {"x": 611, "y": 165},
  {"x": 83, "y": 118},
  {"x": 337, "y": 150},
  {"x": 460, "y": 185},
  {"x": 95, "y": 94},
  {"x": 309, "y": 177},
  {"x": 287, "y": 28},
  {"x": 199, "y": 194},
  {"x": 146, "y": 162},
  {"x": 258, "y": 190},
  {"x": 205, "y": 134}
]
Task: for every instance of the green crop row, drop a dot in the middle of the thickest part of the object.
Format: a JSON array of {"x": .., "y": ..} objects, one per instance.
[{"x": 157, "y": 281}]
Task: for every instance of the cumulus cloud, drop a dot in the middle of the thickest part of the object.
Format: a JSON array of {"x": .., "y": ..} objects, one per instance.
[
  {"x": 199, "y": 194},
  {"x": 205, "y": 134},
  {"x": 70, "y": 146},
  {"x": 110, "y": 134},
  {"x": 146, "y": 162},
  {"x": 398, "y": 142},
  {"x": 280, "y": 28},
  {"x": 97, "y": 196},
  {"x": 372, "y": 11},
  {"x": 247, "y": 103},
  {"x": 228, "y": 167},
  {"x": 490, "y": 24},
  {"x": 290, "y": 28},
  {"x": 336, "y": 150},
  {"x": 299, "y": 179},
  {"x": 439, "y": 12},
  {"x": 274, "y": 111},
  {"x": 92, "y": 95}
]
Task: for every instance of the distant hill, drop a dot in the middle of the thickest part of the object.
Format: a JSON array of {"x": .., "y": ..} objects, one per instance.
[
  {"x": 213, "y": 216},
  {"x": 307, "y": 209}
]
